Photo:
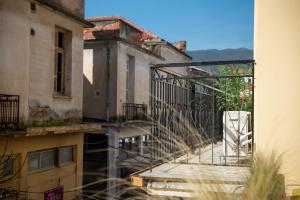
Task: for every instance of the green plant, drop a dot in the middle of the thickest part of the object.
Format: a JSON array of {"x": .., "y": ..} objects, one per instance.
[
  {"x": 236, "y": 91},
  {"x": 48, "y": 123}
]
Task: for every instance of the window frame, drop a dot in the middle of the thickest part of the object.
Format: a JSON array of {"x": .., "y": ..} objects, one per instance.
[
  {"x": 12, "y": 159},
  {"x": 56, "y": 163},
  {"x": 73, "y": 155},
  {"x": 60, "y": 50},
  {"x": 130, "y": 79},
  {"x": 40, "y": 168}
]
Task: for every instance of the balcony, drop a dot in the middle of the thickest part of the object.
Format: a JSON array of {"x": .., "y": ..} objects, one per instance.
[
  {"x": 9, "y": 112},
  {"x": 132, "y": 111}
]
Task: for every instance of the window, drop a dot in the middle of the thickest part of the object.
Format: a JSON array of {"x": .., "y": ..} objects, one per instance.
[
  {"x": 63, "y": 59},
  {"x": 8, "y": 167},
  {"x": 33, "y": 7},
  {"x": 50, "y": 158},
  {"x": 41, "y": 160},
  {"x": 130, "y": 78},
  {"x": 65, "y": 155}
]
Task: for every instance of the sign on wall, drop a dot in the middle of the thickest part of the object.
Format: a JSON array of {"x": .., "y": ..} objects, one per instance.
[{"x": 54, "y": 194}]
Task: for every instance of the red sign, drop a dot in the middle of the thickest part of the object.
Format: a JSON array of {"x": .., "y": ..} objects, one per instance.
[{"x": 54, "y": 194}]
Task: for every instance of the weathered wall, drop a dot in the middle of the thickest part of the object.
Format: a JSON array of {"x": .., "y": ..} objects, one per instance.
[
  {"x": 14, "y": 51},
  {"x": 173, "y": 56},
  {"x": 27, "y": 61},
  {"x": 76, "y": 7},
  {"x": 98, "y": 57},
  {"x": 95, "y": 76},
  {"x": 277, "y": 93},
  {"x": 142, "y": 74},
  {"x": 42, "y": 102},
  {"x": 69, "y": 176}
]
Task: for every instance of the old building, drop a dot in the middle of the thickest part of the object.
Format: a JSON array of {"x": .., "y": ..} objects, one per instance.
[
  {"x": 41, "y": 98},
  {"x": 118, "y": 55}
]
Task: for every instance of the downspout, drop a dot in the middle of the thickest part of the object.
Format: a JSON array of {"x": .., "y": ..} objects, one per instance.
[{"x": 107, "y": 82}]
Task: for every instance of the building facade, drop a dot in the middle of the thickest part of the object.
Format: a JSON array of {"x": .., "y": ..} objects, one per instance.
[
  {"x": 118, "y": 55},
  {"x": 277, "y": 96},
  {"x": 117, "y": 59},
  {"x": 41, "y": 90}
]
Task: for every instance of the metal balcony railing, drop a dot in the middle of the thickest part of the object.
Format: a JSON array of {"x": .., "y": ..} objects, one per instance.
[
  {"x": 9, "y": 111},
  {"x": 134, "y": 111}
]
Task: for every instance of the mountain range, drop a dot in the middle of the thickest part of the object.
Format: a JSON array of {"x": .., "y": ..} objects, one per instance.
[{"x": 221, "y": 55}]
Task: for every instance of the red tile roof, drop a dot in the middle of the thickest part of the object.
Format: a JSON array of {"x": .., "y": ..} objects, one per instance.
[
  {"x": 147, "y": 35},
  {"x": 90, "y": 33}
]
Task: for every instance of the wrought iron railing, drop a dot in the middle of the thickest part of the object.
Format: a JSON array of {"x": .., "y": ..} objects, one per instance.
[
  {"x": 134, "y": 111},
  {"x": 214, "y": 110},
  {"x": 9, "y": 111}
]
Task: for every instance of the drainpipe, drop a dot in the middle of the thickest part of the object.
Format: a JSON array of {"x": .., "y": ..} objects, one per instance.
[{"x": 107, "y": 82}]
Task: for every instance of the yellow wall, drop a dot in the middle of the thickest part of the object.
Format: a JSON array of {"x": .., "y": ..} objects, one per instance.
[
  {"x": 69, "y": 176},
  {"x": 277, "y": 86}
]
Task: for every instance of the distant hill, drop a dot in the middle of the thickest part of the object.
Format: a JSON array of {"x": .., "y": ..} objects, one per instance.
[{"x": 221, "y": 55}]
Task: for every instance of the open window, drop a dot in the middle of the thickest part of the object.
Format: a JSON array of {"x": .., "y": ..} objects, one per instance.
[{"x": 63, "y": 62}]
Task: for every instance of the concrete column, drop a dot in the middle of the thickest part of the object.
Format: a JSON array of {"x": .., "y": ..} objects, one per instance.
[
  {"x": 113, "y": 153},
  {"x": 139, "y": 142}
]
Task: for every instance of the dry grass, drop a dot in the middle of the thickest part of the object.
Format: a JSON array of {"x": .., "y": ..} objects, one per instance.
[{"x": 263, "y": 183}]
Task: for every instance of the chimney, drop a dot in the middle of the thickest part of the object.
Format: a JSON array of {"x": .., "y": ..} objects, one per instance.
[{"x": 181, "y": 45}]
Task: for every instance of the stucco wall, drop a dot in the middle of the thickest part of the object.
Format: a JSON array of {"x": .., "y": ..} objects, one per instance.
[
  {"x": 14, "y": 51},
  {"x": 42, "y": 65},
  {"x": 142, "y": 74},
  {"x": 98, "y": 57},
  {"x": 173, "y": 56},
  {"x": 95, "y": 76},
  {"x": 69, "y": 176},
  {"x": 277, "y": 93},
  {"x": 27, "y": 61},
  {"x": 76, "y": 7}
]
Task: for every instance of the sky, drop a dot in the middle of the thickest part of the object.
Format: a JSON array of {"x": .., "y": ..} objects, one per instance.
[{"x": 204, "y": 24}]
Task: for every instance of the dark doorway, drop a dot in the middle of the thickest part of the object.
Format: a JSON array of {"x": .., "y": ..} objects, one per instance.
[{"x": 95, "y": 164}]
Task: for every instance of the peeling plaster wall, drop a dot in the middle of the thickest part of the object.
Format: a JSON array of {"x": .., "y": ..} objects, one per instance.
[
  {"x": 27, "y": 61},
  {"x": 42, "y": 102}
]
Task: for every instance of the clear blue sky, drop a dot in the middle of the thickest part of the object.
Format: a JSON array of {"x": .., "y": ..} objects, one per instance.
[{"x": 205, "y": 24}]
